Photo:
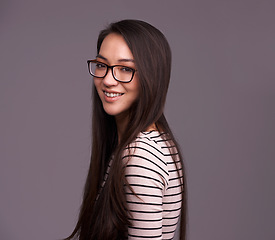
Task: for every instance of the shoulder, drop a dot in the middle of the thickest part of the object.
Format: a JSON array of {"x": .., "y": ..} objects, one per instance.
[
  {"x": 148, "y": 144},
  {"x": 153, "y": 140},
  {"x": 147, "y": 155},
  {"x": 156, "y": 142}
]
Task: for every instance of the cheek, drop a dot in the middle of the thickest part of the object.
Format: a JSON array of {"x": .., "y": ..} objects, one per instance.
[
  {"x": 134, "y": 88},
  {"x": 135, "y": 93}
]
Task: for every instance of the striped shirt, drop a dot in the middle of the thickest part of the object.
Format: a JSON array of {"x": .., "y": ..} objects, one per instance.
[{"x": 152, "y": 175}]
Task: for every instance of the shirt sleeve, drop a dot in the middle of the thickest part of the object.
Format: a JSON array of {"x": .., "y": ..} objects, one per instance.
[{"x": 147, "y": 176}]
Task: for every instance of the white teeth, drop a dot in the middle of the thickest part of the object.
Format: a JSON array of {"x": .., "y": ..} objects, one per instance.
[{"x": 112, "y": 94}]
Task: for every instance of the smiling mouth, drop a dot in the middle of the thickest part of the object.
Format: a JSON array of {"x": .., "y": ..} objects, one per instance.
[{"x": 112, "y": 94}]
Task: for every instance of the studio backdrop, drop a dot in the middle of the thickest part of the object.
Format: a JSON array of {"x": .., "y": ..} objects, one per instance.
[{"x": 220, "y": 106}]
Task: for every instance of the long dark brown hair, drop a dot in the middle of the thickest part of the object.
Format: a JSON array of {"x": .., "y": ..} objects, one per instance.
[{"x": 105, "y": 215}]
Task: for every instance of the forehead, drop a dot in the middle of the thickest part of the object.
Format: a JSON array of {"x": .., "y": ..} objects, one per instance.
[{"x": 114, "y": 47}]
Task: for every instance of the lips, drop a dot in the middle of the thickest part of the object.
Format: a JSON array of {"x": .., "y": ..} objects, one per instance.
[
  {"x": 112, "y": 94},
  {"x": 111, "y": 97}
]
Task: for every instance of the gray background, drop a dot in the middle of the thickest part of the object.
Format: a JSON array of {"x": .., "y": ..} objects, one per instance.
[{"x": 220, "y": 106}]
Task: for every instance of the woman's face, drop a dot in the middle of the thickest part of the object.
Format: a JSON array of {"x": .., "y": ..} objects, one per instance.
[{"x": 116, "y": 97}]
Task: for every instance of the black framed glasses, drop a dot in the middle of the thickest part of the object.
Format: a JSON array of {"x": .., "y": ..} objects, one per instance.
[{"x": 120, "y": 73}]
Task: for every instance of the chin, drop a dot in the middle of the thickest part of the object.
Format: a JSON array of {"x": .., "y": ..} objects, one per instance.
[
  {"x": 112, "y": 111},
  {"x": 115, "y": 112}
]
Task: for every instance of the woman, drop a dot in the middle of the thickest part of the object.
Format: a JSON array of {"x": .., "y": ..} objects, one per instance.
[{"x": 134, "y": 187}]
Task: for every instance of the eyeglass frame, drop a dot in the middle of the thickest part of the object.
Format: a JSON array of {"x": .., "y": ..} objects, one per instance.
[{"x": 112, "y": 70}]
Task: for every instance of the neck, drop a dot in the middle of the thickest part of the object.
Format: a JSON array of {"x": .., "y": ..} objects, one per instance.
[
  {"x": 121, "y": 123},
  {"x": 152, "y": 127}
]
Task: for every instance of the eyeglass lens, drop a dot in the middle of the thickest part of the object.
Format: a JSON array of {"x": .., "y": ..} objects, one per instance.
[{"x": 120, "y": 73}]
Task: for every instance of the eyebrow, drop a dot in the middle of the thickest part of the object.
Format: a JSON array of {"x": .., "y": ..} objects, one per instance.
[
  {"x": 120, "y": 60},
  {"x": 100, "y": 56}
]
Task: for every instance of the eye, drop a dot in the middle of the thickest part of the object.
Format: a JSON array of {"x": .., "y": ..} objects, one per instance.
[
  {"x": 100, "y": 65},
  {"x": 126, "y": 69}
]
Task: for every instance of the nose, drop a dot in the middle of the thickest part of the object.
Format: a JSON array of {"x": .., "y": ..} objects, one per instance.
[{"x": 109, "y": 80}]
